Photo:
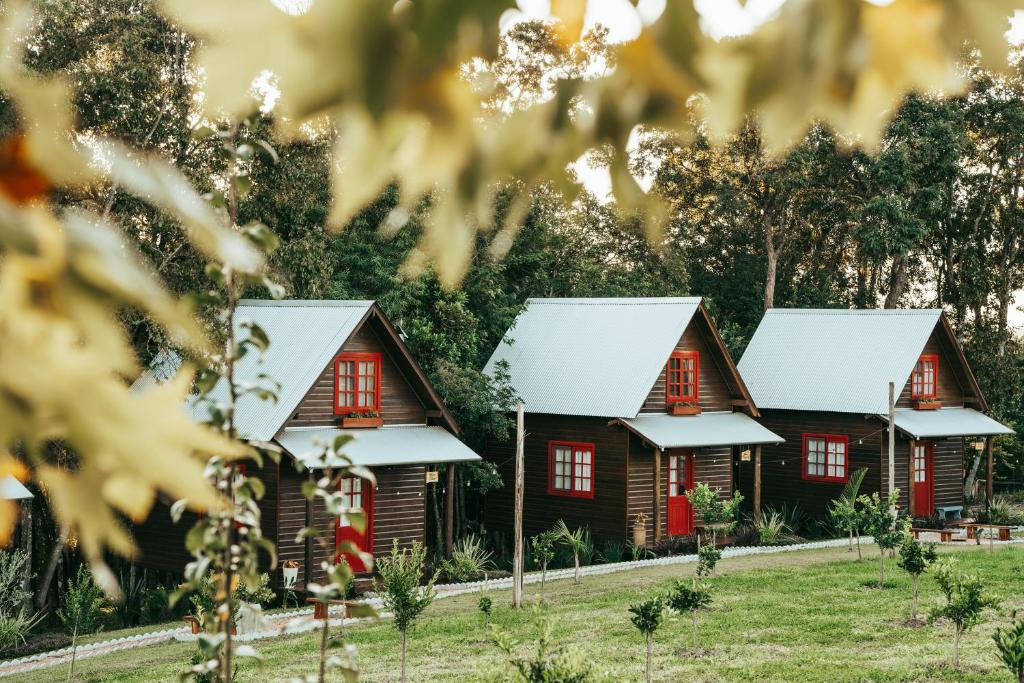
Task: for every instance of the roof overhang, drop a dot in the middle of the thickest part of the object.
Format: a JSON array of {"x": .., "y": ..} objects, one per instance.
[
  {"x": 945, "y": 422},
  {"x": 12, "y": 489},
  {"x": 698, "y": 431},
  {"x": 400, "y": 445}
]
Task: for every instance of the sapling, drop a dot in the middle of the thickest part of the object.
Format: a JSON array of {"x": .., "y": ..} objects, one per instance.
[
  {"x": 844, "y": 511},
  {"x": 485, "y": 604},
  {"x": 881, "y": 523},
  {"x": 915, "y": 558},
  {"x": 401, "y": 574},
  {"x": 575, "y": 540},
  {"x": 1010, "y": 643},
  {"x": 543, "y": 547},
  {"x": 683, "y": 598},
  {"x": 707, "y": 559},
  {"x": 647, "y": 618},
  {"x": 966, "y": 599}
]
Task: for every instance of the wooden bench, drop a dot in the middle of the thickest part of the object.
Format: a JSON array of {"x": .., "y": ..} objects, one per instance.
[
  {"x": 945, "y": 535},
  {"x": 972, "y": 527},
  {"x": 320, "y": 609}
]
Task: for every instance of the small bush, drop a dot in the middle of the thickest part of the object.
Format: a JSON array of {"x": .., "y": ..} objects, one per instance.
[
  {"x": 613, "y": 551},
  {"x": 155, "y": 605},
  {"x": 262, "y": 595},
  {"x": 83, "y": 604},
  {"x": 966, "y": 599},
  {"x": 470, "y": 560},
  {"x": 773, "y": 528},
  {"x": 675, "y": 545},
  {"x": 12, "y": 572},
  {"x": 707, "y": 559},
  {"x": 129, "y": 609},
  {"x": 15, "y": 630},
  {"x": 1010, "y": 643},
  {"x": 546, "y": 664},
  {"x": 1002, "y": 510}
]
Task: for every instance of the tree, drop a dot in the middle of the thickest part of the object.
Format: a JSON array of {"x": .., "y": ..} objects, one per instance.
[
  {"x": 485, "y": 604},
  {"x": 543, "y": 550},
  {"x": 1010, "y": 643},
  {"x": 965, "y": 601},
  {"x": 547, "y": 663},
  {"x": 401, "y": 574},
  {"x": 707, "y": 502},
  {"x": 880, "y": 522},
  {"x": 683, "y": 598},
  {"x": 647, "y": 617},
  {"x": 915, "y": 558},
  {"x": 576, "y": 540},
  {"x": 843, "y": 510},
  {"x": 707, "y": 559}
]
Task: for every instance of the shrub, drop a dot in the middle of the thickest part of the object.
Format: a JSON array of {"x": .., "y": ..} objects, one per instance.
[
  {"x": 639, "y": 552},
  {"x": 470, "y": 560},
  {"x": 485, "y": 604},
  {"x": 547, "y": 663},
  {"x": 707, "y": 503},
  {"x": 915, "y": 559},
  {"x": 843, "y": 511},
  {"x": 613, "y": 551},
  {"x": 543, "y": 546},
  {"x": 707, "y": 558},
  {"x": 772, "y": 528},
  {"x": 129, "y": 608},
  {"x": 15, "y": 629},
  {"x": 880, "y": 522},
  {"x": 83, "y": 604},
  {"x": 683, "y": 598},
  {"x": 675, "y": 545},
  {"x": 647, "y": 617},
  {"x": 965, "y": 601},
  {"x": 155, "y": 604},
  {"x": 401, "y": 573},
  {"x": 1010, "y": 643},
  {"x": 13, "y": 597},
  {"x": 262, "y": 595},
  {"x": 1002, "y": 510}
]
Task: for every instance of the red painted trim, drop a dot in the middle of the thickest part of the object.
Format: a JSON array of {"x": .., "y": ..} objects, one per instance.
[
  {"x": 929, "y": 467},
  {"x": 573, "y": 446},
  {"x": 934, "y": 359},
  {"x": 354, "y": 358},
  {"x": 368, "y": 505},
  {"x": 829, "y": 438},
  {"x": 674, "y": 390}
]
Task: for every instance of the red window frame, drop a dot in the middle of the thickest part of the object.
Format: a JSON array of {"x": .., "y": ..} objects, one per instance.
[
  {"x": 576, "y": 471},
  {"x": 917, "y": 379},
  {"x": 829, "y": 439},
  {"x": 675, "y": 386},
  {"x": 352, "y": 396}
]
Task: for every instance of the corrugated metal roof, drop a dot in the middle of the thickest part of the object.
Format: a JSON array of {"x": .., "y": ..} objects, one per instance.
[
  {"x": 12, "y": 489},
  {"x": 591, "y": 356},
  {"x": 697, "y": 431},
  {"x": 945, "y": 422},
  {"x": 399, "y": 445},
  {"x": 834, "y": 360}
]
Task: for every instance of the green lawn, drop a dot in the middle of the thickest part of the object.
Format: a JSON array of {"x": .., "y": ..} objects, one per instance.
[{"x": 806, "y": 616}]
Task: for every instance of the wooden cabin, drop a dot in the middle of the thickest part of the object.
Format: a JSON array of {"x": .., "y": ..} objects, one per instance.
[
  {"x": 343, "y": 369},
  {"x": 821, "y": 378},
  {"x": 628, "y": 403}
]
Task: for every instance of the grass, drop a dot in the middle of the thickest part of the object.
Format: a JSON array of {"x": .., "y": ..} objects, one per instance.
[{"x": 802, "y": 616}]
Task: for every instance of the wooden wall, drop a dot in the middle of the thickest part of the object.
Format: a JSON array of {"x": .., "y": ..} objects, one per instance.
[
  {"x": 399, "y": 514},
  {"x": 605, "y": 513},
  {"x": 951, "y": 387},
  {"x": 714, "y": 392},
  {"x": 948, "y": 470},
  {"x": 399, "y": 403},
  {"x": 713, "y": 466}
]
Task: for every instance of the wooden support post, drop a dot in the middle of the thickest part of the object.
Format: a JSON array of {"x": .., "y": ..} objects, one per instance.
[
  {"x": 910, "y": 479},
  {"x": 892, "y": 441},
  {"x": 449, "y": 511},
  {"x": 517, "y": 557},
  {"x": 990, "y": 478},
  {"x": 757, "y": 485},
  {"x": 307, "y": 571},
  {"x": 657, "y": 495}
]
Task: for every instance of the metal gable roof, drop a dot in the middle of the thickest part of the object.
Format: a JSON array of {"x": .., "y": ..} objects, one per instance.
[
  {"x": 945, "y": 422},
  {"x": 697, "y": 431},
  {"x": 834, "y": 360},
  {"x": 397, "y": 445},
  {"x": 591, "y": 356}
]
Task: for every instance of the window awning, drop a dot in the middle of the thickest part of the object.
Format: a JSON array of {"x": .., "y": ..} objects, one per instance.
[
  {"x": 405, "y": 445},
  {"x": 945, "y": 422},
  {"x": 12, "y": 489},
  {"x": 697, "y": 431}
]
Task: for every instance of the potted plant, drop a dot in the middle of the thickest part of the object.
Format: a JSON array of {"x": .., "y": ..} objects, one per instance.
[
  {"x": 927, "y": 404},
  {"x": 367, "y": 418},
  {"x": 684, "y": 408},
  {"x": 640, "y": 529}
]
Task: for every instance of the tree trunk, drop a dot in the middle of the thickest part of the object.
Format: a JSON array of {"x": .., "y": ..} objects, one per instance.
[
  {"x": 917, "y": 585},
  {"x": 772, "y": 268},
  {"x": 405, "y": 645},
  {"x": 850, "y": 549},
  {"x": 972, "y": 475},
  {"x": 435, "y": 506},
  {"x": 693, "y": 616},
  {"x": 956, "y": 647},
  {"x": 650, "y": 653},
  {"x": 323, "y": 646},
  {"x": 859, "y": 555},
  {"x": 74, "y": 651},
  {"x": 881, "y": 568},
  {"x": 543, "y": 576},
  {"x": 576, "y": 575},
  {"x": 897, "y": 282}
]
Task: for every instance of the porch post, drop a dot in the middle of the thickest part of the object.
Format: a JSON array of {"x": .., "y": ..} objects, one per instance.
[
  {"x": 449, "y": 511},
  {"x": 910, "y": 479},
  {"x": 657, "y": 495},
  {"x": 757, "y": 485},
  {"x": 989, "y": 443}
]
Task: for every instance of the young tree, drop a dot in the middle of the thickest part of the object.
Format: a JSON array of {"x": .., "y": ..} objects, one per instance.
[
  {"x": 965, "y": 601},
  {"x": 708, "y": 504},
  {"x": 576, "y": 540},
  {"x": 647, "y": 617},
  {"x": 401, "y": 574},
  {"x": 485, "y": 605},
  {"x": 915, "y": 558},
  {"x": 880, "y": 522},
  {"x": 546, "y": 662},
  {"x": 707, "y": 559},
  {"x": 543, "y": 547},
  {"x": 1010, "y": 643},
  {"x": 683, "y": 598},
  {"x": 844, "y": 512}
]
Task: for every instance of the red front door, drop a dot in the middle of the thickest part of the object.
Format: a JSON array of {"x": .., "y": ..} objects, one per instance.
[
  {"x": 680, "y": 480},
  {"x": 357, "y": 494},
  {"x": 922, "y": 469}
]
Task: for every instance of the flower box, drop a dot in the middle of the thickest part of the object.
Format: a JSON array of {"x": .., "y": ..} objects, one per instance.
[
  {"x": 684, "y": 409},
  {"x": 361, "y": 422},
  {"x": 927, "y": 405}
]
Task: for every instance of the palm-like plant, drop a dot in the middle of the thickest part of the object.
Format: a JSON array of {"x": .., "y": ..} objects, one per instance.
[
  {"x": 576, "y": 540},
  {"x": 843, "y": 509}
]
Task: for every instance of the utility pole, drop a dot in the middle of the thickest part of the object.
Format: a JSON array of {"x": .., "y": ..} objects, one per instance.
[
  {"x": 892, "y": 441},
  {"x": 517, "y": 558}
]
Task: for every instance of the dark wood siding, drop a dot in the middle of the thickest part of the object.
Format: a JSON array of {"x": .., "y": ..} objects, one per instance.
[
  {"x": 950, "y": 390},
  {"x": 713, "y": 466},
  {"x": 714, "y": 393},
  {"x": 781, "y": 480},
  {"x": 399, "y": 513},
  {"x": 948, "y": 470},
  {"x": 605, "y": 513},
  {"x": 399, "y": 404}
]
